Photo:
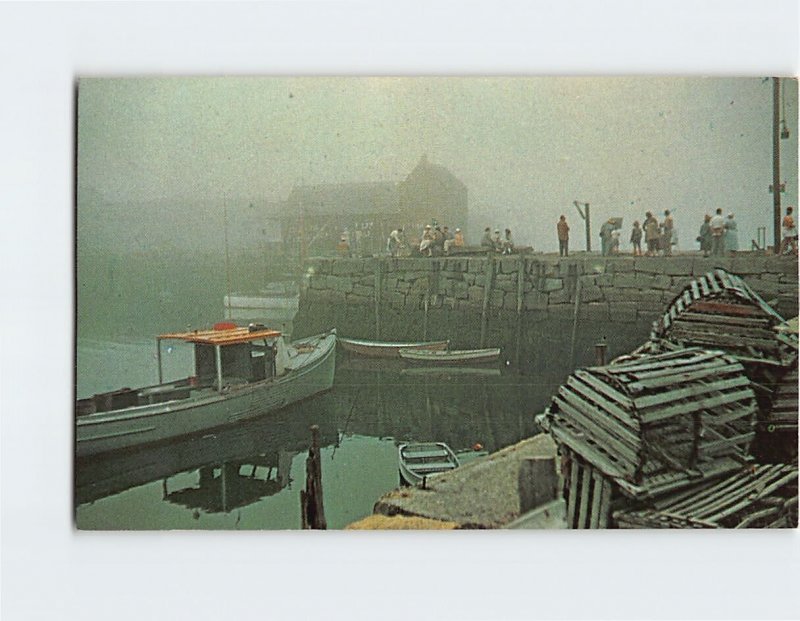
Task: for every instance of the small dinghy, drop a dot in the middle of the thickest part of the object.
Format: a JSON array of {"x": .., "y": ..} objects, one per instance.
[
  {"x": 387, "y": 349},
  {"x": 461, "y": 356},
  {"x": 421, "y": 460}
]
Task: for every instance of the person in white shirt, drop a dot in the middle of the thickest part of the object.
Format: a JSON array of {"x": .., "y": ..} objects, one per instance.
[{"x": 717, "y": 234}]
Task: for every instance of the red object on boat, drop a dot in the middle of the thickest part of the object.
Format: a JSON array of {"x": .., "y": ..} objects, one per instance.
[{"x": 224, "y": 325}]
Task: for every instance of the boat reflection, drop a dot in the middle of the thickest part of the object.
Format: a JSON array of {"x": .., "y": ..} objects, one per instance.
[{"x": 235, "y": 466}]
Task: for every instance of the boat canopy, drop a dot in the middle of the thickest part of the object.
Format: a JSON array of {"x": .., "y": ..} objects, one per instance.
[{"x": 230, "y": 336}]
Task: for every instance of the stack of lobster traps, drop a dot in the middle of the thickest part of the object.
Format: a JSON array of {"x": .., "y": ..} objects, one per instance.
[
  {"x": 665, "y": 436},
  {"x": 719, "y": 310}
]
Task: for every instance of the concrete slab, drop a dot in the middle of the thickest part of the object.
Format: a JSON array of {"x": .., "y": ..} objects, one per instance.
[{"x": 482, "y": 494}]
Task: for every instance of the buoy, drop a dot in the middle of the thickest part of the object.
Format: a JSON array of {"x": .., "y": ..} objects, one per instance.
[
  {"x": 224, "y": 325},
  {"x": 477, "y": 446}
]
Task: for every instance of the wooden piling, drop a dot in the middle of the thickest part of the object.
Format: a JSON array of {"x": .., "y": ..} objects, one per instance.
[
  {"x": 487, "y": 293},
  {"x": 575, "y": 314},
  {"x": 520, "y": 284},
  {"x": 312, "y": 508}
]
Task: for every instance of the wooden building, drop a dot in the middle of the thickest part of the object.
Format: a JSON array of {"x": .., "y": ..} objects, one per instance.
[{"x": 314, "y": 218}]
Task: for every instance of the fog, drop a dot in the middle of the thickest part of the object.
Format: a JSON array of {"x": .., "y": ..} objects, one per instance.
[{"x": 158, "y": 158}]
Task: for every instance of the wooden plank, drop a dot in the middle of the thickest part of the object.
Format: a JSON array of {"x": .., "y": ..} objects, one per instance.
[
  {"x": 687, "y": 299},
  {"x": 748, "y": 498},
  {"x": 760, "y": 321},
  {"x": 712, "y": 281},
  {"x": 686, "y": 408},
  {"x": 586, "y": 491},
  {"x": 683, "y": 376},
  {"x": 596, "y": 457},
  {"x": 690, "y": 392},
  {"x": 704, "y": 286},
  {"x": 678, "y": 304},
  {"x": 624, "y": 416},
  {"x": 597, "y": 494},
  {"x": 714, "y": 497},
  {"x": 605, "y": 503},
  {"x": 621, "y": 428},
  {"x": 662, "y": 361},
  {"x": 603, "y": 436},
  {"x": 604, "y": 388},
  {"x": 695, "y": 290},
  {"x": 574, "y": 465}
]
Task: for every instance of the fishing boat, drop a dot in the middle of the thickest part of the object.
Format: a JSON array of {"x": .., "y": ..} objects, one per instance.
[
  {"x": 239, "y": 373},
  {"x": 451, "y": 371},
  {"x": 456, "y": 356},
  {"x": 424, "y": 459},
  {"x": 385, "y": 349}
]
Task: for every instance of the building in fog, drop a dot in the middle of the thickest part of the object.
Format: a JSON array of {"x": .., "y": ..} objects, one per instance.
[{"x": 315, "y": 217}]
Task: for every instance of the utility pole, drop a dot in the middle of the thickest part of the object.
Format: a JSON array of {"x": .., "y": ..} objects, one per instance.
[
  {"x": 585, "y": 216},
  {"x": 776, "y": 163}
]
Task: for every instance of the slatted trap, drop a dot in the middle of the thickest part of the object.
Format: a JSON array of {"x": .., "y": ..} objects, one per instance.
[
  {"x": 656, "y": 423},
  {"x": 762, "y": 496},
  {"x": 719, "y": 310}
]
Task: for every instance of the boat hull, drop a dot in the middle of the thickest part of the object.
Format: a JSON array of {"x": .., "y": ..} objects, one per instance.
[
  {"x": 137, "y": 426},
  {"x": 377, "y": 349},
  {"x": 467, "y": 356}
]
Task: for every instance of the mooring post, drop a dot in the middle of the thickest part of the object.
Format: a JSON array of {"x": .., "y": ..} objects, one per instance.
[
  {"x": 575, "y": 323},
  {"x": 487, "y": 293},
  {"x": 600, "y": 350},
  {"x": 312, "y": 509},
  {"x": 520, "y": 283}
]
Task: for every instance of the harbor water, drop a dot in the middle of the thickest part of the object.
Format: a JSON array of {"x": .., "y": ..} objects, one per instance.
[{"x": 250, "y": 476}]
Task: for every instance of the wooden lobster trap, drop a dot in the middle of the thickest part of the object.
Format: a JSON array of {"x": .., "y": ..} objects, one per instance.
[
  {"x": 763, "y": 496},
  {"x": 657, "y": 423}
]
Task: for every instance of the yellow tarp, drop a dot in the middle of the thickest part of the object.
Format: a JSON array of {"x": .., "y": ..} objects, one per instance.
[{"x": 400, "y": 522}]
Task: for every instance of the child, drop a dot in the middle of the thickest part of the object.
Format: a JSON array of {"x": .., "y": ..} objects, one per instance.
[{"x": 636, "y": 239}]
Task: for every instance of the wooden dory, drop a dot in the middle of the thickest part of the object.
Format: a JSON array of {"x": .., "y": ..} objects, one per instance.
[
  {"x": 461, "y": 356},
  {"x": 240, "y": 374},
  {"x": 386, "y": 349},
  {"x": 424, "y": 459}
]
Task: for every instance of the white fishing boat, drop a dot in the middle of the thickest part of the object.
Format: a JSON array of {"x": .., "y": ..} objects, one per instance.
[
  {"x": 240, "y": 373},
  {"x": 388, "y": 349}
]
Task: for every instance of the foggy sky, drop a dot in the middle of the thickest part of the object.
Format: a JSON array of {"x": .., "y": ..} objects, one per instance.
[{"x": 525, "y": 147}]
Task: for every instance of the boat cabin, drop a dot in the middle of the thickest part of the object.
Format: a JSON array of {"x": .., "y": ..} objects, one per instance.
[{"x": 231, "y": 354}]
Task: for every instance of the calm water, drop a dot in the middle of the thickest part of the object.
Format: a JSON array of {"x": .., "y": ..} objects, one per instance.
[{"x": 250, "y": 476}]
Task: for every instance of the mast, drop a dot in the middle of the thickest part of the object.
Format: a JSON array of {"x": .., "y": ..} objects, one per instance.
[{"x": 227, "y": 255}]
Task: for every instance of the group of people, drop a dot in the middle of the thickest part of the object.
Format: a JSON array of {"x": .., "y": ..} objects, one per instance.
[
  {"x": 659, "y": 237},
  {"x": 718, "y": 235},
  {"x": 495, "y": 243},
  {"x": 435, "y": 241}
]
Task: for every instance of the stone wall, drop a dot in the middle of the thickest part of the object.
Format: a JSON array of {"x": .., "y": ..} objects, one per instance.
[{"x": 617, "y": 290}]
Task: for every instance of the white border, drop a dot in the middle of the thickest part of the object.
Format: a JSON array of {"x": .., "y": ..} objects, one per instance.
[{"x": 49, "y": 571}]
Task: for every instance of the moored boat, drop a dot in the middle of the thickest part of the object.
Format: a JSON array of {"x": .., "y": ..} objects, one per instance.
[
  {"x": 388, "y": 349},
  {"x": 240, "y": 373},
  {"x": 459, "y": 356},
  {"x": 421, "y": 460}
]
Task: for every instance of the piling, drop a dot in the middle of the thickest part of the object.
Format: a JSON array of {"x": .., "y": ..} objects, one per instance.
[
  {"x": 487, "y": 294},
  {"x": 538, "y": 482},
  {"x": 311, "y": 506}
]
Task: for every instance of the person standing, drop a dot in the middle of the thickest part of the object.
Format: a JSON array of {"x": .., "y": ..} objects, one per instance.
[
  {"x": 508, "y": 243},
  {"x": 395, "y": 242},
  {"x": 486, "y": 240},
  {"x": 605, "y": 237},
  {"x": 458, "y": 239},
  {"x": 704, "y": 236},
  {"x": 426, "y": 242},
  {"x": 636, "y": 239},
  {"x": 497, "y": 243},
  {"x": 563, "y": 236},
  {"x": 789, "y": 233},
  {"x": 731, "y": 235},
  {"x": 651, "y": 235},
  {"x": 666, "y": 236},
  {"x": 717, "y": 225}
]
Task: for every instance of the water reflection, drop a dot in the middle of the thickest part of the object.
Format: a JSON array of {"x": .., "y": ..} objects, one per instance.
[{"x": 373, "y": 407}]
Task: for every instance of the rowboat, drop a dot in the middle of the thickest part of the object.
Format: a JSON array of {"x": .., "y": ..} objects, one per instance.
[
  {"x": 458, "y": 356},
  {"x": 383, "y": 349},
  {"x": 451, "y": 371},
  {"x": 421, "y": 460},
  {"x": 240, "y": 373}
]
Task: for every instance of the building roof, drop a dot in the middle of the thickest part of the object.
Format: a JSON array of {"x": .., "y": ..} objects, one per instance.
[
  {"x": 346, "y": 198},
  {"x": 425, "y": 168}
]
